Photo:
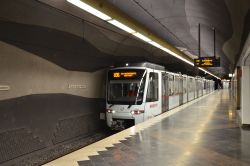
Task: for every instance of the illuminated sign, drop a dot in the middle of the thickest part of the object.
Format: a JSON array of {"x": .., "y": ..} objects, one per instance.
[
  {"x": 117, "y": 75},
  {"x": 207, "y": 62},
  {"x": 124, "y": 74}
]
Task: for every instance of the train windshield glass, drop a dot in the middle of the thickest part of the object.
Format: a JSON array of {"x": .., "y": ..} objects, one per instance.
[{"x": 126, "y": 86}]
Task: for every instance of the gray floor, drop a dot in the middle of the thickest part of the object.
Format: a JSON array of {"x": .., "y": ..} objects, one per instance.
[{"x": 206, "y": 133}]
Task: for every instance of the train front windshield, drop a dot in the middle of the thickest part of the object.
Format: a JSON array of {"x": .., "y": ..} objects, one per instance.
[{"x": 126, "y": 86}]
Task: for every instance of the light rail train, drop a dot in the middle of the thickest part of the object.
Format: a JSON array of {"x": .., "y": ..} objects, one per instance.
[{"x": 137, "y": 92}]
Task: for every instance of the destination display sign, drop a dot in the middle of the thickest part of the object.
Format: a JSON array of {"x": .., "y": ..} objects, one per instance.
[
  {"x": 123, "y": 74},
  {"x": 207, "y": 62}
]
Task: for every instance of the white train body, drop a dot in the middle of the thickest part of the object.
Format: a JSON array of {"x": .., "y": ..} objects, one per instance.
[{"x": 139, "y": 92}]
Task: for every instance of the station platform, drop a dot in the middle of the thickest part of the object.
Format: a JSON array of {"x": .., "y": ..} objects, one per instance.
[{"x": 202, "y": 132}]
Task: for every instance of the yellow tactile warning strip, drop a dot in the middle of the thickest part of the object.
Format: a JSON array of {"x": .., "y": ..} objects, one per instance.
[{"x": 90, "y": 150}]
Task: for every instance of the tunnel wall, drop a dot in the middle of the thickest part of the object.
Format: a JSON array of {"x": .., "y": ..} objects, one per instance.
[
  {"x": 52, "y": 81},
  {"x": 42, "y": 104}
]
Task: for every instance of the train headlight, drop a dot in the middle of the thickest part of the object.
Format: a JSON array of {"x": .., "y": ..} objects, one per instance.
[
  {"x": 137, "y": 112},
  {"x": 110, "y": 111}
]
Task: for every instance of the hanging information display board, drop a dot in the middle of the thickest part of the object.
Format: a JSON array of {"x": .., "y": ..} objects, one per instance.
[{"x": 207, "y": 62}]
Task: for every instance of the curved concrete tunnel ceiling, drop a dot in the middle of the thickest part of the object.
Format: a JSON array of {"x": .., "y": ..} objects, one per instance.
[
  {"x": 65, "y": 34},
  {"x": 175, "y": 21},
  {"x": 239, "y": 11}
]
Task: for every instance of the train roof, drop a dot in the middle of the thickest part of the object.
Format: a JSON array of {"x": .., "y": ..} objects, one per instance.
[{"x": 142, "y": 64}]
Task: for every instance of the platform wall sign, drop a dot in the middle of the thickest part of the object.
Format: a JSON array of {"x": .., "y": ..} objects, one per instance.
[
  {"x": 207, "y": 62},
  {"x": 77, "y": 86},
  {"x": 4, "y": 87}
]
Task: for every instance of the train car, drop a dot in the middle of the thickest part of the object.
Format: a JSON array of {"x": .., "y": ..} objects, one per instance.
[
  {"x": 134, "y": 94},
  {"x": 140, "y": 91}
]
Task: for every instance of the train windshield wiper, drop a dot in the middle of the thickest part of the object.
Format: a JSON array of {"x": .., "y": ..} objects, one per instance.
[{"x": 129, "y": 105}]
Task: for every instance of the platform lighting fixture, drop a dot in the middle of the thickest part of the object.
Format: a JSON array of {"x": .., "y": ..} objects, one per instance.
[
  {"x": 203, "y": 70},
  {"x": 155, "y": 44},
  {"x": 90, "y": 9},
  {"x": 230, "y": 75},
  {"x": 142, "y": 37},
  {"x": 177, "y": 56},
  {"x": 121, "y": 26},
  {"x": 118, "y": 24},
  {"x": 208, "y": 72}
]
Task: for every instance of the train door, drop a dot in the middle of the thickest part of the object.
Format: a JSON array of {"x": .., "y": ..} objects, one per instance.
[
  {"x": 181, "y": 90},
  {"x": 185, "y": 93},
  {"x": 191, "y": 88},
  {"x": 202, "y": 86},
  {"x": 164, "y": 92},
  {"x": 199, "y": 87},
  {"x": 173, "y": 91},
  {"x": 153, "y": 103},
  {"x": 196, "y": 88},
  {"x": 204, "y": 83}
]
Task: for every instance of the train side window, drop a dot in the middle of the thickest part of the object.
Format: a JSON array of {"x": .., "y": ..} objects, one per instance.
[{"x": 153, "y": 83}]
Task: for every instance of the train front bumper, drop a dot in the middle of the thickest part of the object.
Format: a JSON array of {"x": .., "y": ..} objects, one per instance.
[{"x": 120, "y": 119}]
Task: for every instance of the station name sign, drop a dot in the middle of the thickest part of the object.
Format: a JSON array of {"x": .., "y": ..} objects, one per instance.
[{"x": 207, "y": 62}]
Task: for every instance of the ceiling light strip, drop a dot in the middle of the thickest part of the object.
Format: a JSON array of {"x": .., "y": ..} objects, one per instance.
[
  {"x": 170, "y": 52},
  {"x": 142, "y": 37},
  {"x": 155, "y": 44},
  {"x": 177, "y": 56},
  {"x": 121, "y": 26},
  {"x": 206, "y": 71},
  {"x": 90, "y": 9}
]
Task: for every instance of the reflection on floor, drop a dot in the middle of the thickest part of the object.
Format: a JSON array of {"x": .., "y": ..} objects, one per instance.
[{"x": 203, "y": 132}]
